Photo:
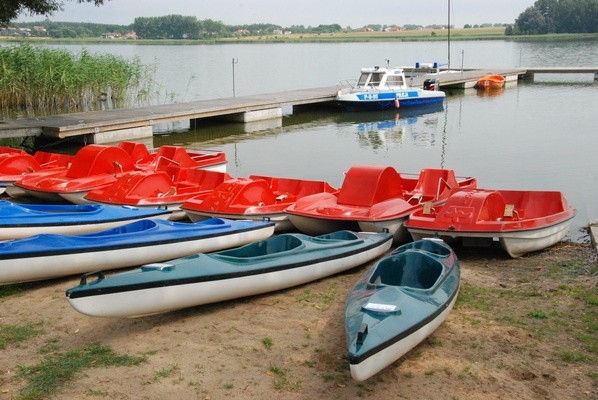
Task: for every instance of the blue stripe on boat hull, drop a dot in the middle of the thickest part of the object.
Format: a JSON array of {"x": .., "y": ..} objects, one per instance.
[{"x": 388, "y": 104}]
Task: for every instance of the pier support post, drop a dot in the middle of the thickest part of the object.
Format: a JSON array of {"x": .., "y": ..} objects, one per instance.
[
  {"x": 258, "y": 115},
  {"x": 120, "y": 135},
  {"x": 194, "y": 123}
]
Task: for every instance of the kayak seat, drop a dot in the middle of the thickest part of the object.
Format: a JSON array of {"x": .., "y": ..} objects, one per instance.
[
  {"x": 274, "y": 245},
  {"x": 338, "y": 235},
  {"x": 408, "y": 269},
  {"x": 433, "y": 246}
]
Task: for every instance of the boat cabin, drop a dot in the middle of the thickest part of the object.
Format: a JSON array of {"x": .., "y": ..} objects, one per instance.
[{"x": 372, "y": 78}]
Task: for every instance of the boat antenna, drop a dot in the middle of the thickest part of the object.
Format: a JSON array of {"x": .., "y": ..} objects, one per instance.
[{"x": 387, "y": 62}]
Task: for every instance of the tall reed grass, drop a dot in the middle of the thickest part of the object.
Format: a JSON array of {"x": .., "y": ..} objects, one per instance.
[{"x": 41, "y": 79}]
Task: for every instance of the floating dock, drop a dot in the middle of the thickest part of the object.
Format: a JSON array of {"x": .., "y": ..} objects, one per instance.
[{"x": 135, "y": 123}]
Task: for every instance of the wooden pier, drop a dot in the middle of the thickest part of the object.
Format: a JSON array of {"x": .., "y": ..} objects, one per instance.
[{"x": 135, "y": 123}]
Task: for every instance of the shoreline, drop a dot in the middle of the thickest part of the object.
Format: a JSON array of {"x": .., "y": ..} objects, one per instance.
[{"x": 521, "y": 329}]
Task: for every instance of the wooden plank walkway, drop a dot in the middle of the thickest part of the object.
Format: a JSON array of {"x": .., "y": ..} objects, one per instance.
[
  {"x": 81, "y": 123},
  {"x": 93, "y": 122}
]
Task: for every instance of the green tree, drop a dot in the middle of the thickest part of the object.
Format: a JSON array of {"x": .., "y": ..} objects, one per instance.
[
  {"x": 531, "y": 22},
  {"x": 560, "y": 16},
  {"x": 10, "y": 9}
]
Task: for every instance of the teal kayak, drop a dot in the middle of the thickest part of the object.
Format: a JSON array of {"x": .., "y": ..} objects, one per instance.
[
  {"x": 399, "y": 302},
  {"x": 272, "y": 264}
]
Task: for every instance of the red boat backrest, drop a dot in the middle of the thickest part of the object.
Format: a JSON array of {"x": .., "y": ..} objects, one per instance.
[
  {"x": 169, "y": 155},
  {"x": 137, "y": 151},
  {"x": 46, "y": 159},
  {"x": 241, "y": 191},
  {"x": 534, "y": 204},
  {"x": 295, "y": 187},
  {"x": 433, "y": 183},
  {"x": 366, "y": 185},
  {"x": 96, "y": 159},
  {"x": 201, "y": 177}
]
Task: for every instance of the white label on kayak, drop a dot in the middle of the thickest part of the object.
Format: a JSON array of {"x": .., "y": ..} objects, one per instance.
[{"x": 380, "y": 307}]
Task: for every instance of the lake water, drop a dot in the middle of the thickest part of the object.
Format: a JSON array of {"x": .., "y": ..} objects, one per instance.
[{"x": 539, "y": 135}]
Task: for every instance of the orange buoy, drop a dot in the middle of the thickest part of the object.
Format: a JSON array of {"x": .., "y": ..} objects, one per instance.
[{"x": 397, "y": 104}]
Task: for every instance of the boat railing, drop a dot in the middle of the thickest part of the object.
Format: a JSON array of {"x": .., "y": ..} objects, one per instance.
[
  {"x": 347, "y": 84},
  {"x": 160, "y": 158},
  {"x": 119, "y": 166}
]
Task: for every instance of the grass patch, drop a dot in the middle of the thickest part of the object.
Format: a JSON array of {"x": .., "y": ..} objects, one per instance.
[
  {"x": 282, "y": 381},
  {"x": 48, "y": 377},
  {"x": 537, "y": 314},
  {"x": 573, "y": 357},
  {"x": 321, "y": 300},
  {"x": 474, "y": 297},
  {"x": 11, "y": 290},
  {"x": 268, "y": 342},
  {"x": 166, "y": 372},
  {"x": 15, "y": 334}
]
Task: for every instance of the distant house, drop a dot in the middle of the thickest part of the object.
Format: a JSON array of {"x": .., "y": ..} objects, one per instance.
[
  {"x": 111, "y": 35},
  {"x": 277, "y": 31},
  {"x": 393, "y": 28},
  {"x": 15, "y": 31},
  {"x": 242, "y": 32},
  {"x": 130, "y": 35}
]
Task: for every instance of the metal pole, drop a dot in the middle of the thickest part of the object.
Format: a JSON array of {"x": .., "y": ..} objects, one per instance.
[
  {"x": 233, "y": 63},
  {"x": 449, "y": 34}
]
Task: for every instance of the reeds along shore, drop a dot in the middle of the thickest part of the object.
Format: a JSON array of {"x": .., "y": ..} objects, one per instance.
[{"x": 44, "y": 79}]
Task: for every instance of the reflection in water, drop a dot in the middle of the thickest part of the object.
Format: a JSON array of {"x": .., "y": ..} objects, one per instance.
[
  {"x": 490, "y": 92},
  {"x": 377, "y": 131}
]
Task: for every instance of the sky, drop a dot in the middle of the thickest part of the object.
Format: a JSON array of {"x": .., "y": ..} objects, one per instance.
[{"x": 353, "y": 13}]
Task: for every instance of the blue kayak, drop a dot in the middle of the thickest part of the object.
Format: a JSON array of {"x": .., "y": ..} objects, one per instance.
[
  {"x": 399, "y": 302},
  {"x": 49, "y": 255},
  {"x": 22, "y": 220},
  {"x": 276, "y": 263}
]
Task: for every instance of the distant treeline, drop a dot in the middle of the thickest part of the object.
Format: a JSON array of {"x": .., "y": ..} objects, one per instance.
[
  {"x": 61, "y": 30},
  {"x": 557, "y": 16},
  {"x": 189, "y": 27}
]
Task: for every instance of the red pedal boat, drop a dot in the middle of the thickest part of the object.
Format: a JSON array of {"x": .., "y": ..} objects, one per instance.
[
  {"x": 14, "y": 163},
  {"x": 373, "y": 199},
  {"x": 256, "y": 198},
  {"x": 522, "y": 221},
  {"x": 168, "y": 188},
  {"x": 98, "y": 166}
]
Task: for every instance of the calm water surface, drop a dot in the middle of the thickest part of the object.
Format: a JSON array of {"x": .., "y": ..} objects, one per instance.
[{"x": 539, "y": 135}]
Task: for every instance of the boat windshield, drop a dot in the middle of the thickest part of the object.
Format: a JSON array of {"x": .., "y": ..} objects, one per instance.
[
  {"x": 363, "y": 79},
  {"x": 370, "y": 79},
  {"x": 376, "y": 78}
]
